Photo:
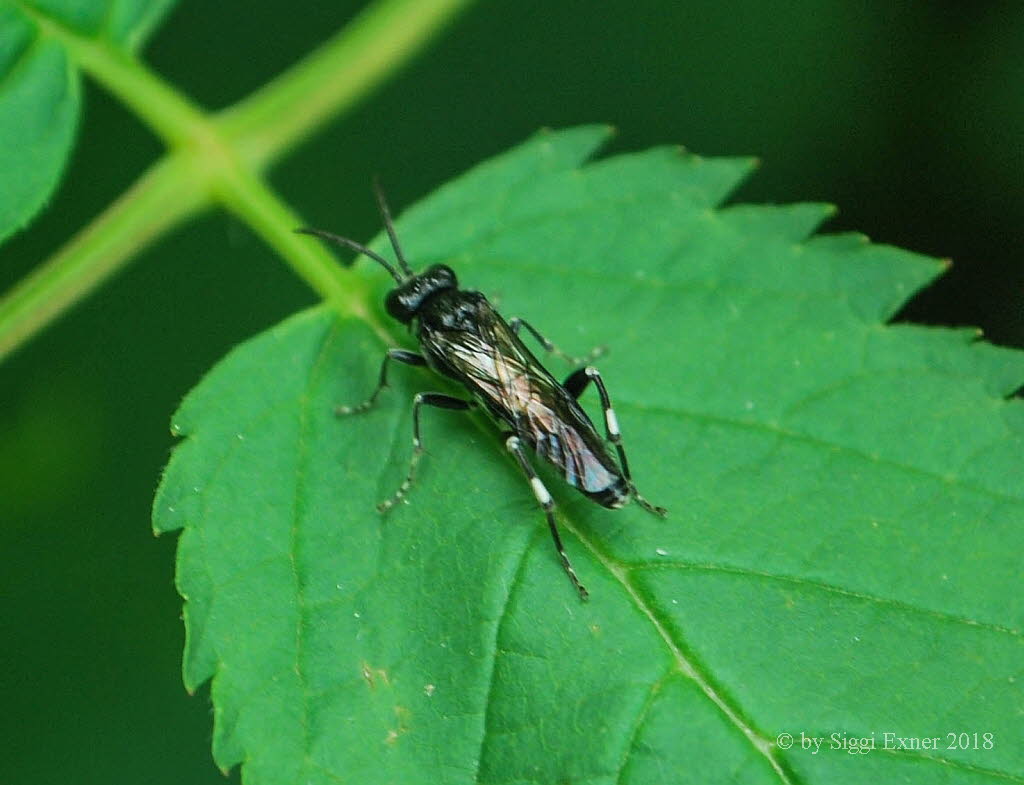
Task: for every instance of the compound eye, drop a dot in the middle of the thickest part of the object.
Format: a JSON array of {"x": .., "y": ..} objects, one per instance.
[
  {"x": 397, "y": 308},
  {"x": 443, "y": 275}
]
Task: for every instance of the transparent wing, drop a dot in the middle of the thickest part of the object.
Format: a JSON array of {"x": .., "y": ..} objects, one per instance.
[{"x": 500, "y": 370}]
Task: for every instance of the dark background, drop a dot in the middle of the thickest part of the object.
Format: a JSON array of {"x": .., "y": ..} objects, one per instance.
[{"x": 909, "y": 116}]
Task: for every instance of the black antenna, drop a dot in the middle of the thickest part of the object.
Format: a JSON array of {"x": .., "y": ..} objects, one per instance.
[
  {"x": 336, "y": 238},
  {"x": 385, "y": 213}
]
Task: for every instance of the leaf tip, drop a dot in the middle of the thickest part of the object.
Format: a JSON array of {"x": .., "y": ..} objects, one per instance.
[{"x": 605, "y": 132}]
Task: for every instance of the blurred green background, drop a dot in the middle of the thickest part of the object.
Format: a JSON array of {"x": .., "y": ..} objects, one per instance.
[{"x": 909, "y": 116}]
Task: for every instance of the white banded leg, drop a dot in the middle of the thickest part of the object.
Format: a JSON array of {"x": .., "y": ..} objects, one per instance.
[
  {"x": 515, "y": 323},
  {"x": 402, "y": 356},
  {"x": 441, "y": 401},
  {"x": 575, "y": 384},
  {"x": 515, "y": 446}
]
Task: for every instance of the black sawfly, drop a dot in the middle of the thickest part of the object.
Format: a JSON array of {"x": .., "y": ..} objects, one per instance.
[{"x": 462, "y": 337}]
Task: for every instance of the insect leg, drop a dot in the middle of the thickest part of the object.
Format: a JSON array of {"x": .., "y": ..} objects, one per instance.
[
  {"x": 515, "y": 446},
  {"x": 409, "y": 358},
  {"x": 429, "y": 399},
  {"x": 515, "y": 323},
  {"x": 575, "y": 384}
]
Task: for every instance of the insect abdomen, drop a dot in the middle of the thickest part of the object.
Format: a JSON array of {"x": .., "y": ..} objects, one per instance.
[
  {"x": 594, "y": 474},
  {"x": 614, "y": 496}
]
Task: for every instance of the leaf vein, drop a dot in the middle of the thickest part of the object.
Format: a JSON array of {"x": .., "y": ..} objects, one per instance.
[
  {"x": 499, "y": 622},
  {"x": 825, "y": 587},
  {"x": 641, "y": 718},
  {"x": 302, "y": 466},
  {"x": 24, "y": 58},
  {"x": 683, "y": 663},
  {"x": 818, "y": 441},
  {"x": 956, "y": 764}
]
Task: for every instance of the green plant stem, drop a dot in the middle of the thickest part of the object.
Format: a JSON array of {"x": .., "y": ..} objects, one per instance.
[
  {"x": 271, "y": 121},
  {"x": 160, "y": 200},
  {"x": 217, "y": 160}
]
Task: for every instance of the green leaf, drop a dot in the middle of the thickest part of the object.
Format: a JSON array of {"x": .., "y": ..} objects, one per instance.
[
  {"x": 842, "y": 553},
  {"x": 40, "y": 88}
]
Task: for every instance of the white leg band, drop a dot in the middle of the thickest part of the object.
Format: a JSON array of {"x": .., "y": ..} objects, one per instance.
[
  {"x": 612, "y": 421},
  {"x": 540, "y": 491}
]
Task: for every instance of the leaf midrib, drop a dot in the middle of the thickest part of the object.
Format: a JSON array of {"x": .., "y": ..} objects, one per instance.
[{"x": 684, "y": 664}]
